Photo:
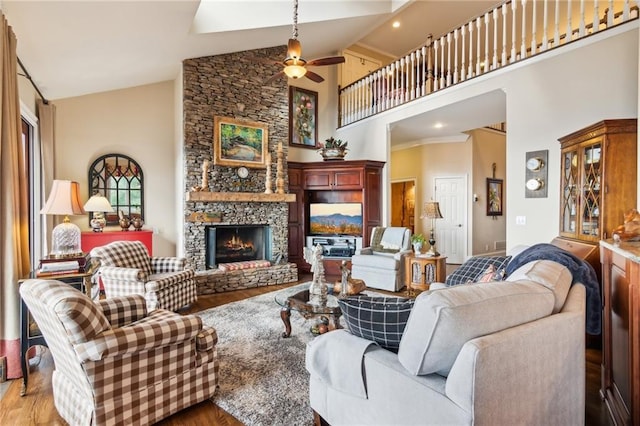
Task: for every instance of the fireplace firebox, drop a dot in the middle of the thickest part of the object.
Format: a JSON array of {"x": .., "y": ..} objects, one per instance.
[{"x": 236, "y": 243}]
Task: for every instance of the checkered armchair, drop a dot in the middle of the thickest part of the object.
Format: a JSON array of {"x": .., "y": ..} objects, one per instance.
[
  {"x": 126, "y": 268},
  {"x": 117, "y": 363}
]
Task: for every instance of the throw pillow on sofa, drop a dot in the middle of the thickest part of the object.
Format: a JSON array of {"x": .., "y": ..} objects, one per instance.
[
  {"x": 473, "y": 269},
  {"x": 379, "y": 319}
]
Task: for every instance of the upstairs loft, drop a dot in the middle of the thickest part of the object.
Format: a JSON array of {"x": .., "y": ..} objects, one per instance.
[{"x": 511, "y": 32}]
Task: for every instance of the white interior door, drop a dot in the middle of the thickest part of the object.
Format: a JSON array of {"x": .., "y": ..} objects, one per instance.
[{"x": 451, "y": 230}]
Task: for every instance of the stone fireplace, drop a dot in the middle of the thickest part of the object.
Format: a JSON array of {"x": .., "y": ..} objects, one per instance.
[
  {"x": 231, "y": 86},
  {"x": 236, "y": 243}
]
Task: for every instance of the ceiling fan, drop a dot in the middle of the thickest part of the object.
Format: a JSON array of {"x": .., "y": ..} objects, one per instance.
[{"x": 294, "y": 65}]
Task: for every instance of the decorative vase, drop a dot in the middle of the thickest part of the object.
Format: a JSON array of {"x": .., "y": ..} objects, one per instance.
[
  {"x": 417, "y": 248},
  {"x": 137, "y": 223},
  {"x": 332, "y": 154},
  {"x": 125, "y": 223}
]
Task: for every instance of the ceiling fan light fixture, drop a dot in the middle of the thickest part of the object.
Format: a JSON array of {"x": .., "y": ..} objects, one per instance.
[{"x": 295, "y": 71}]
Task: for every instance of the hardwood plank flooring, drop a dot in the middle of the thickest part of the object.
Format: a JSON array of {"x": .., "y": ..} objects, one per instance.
[{"x": 37, "y": 408}]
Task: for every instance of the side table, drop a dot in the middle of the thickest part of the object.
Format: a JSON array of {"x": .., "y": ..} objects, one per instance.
[
  {"x": 421, "y": 271},
  {"x": 30, "y": 334}
]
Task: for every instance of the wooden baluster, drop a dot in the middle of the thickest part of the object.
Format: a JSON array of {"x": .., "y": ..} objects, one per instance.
[
  {"x": 455, "y": 56},
  {"x": 448, "y": 59},
  {"x": 610, "y": 15},
  {"x": 487, "y": 67},
  {"x": 436, "y": 81},
  {"x": 442, "y": 75},
  {"x": 430, "y": 78},
  {"x": 396, "y": 72},
  {"x": 523, "y": 47},
  {"x": 582, "y": 27},
  {"x": 569, "y": 28},
  {"x": 413, "y": 75},
  {"x": 596, "y": 17},
  {"x": 626, "y": 11},
  {"x": 402, "y": 77},
  {"x": 494, "y": 61},
  {"x": 534, "y": 25},
  {"x": 463, "y": 64},
  {"x": 556, "y": 34},
  {"x": 423, "y": 72},
  {"x": 514, "y": 8},
  {"x": 378, "y": 91},
  {"x": 470, "y": 70},
  {"x": 478, "y": 53},
  {"x": 545, "y": 39},
  {"x": 504, "y": 35}
]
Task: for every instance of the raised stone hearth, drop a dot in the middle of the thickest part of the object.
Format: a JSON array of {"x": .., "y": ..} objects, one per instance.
[{"x": 216, "y": 281}]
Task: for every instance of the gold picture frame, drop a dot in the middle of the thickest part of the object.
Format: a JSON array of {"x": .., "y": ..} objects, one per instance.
[{"x": 239, "y": 142}]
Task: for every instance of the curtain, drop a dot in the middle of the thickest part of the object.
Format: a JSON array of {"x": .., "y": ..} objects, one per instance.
[
  {"x": 14, "y": 208},
  {"x": 46, "y": 123}
]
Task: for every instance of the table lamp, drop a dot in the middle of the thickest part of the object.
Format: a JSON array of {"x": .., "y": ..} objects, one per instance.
[
  {"x": 64, "y": 199},
  {"x": 432, "y": 211},
  {"x": 97, "y": 205}
]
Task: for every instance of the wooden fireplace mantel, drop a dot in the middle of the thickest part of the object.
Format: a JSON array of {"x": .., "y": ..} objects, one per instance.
[{"x": 257, "y": 197}]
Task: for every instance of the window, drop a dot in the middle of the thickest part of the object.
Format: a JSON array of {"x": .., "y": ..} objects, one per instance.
[{"x": 120, "y": 179}]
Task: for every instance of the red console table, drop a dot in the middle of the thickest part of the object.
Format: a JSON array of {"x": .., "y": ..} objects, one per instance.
[{"x": 92, "y": 239}]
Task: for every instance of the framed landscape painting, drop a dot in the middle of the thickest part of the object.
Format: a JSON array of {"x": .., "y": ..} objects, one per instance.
[
  {"x": 303, "y": 118},
  {"x": 239, "y": 142}
]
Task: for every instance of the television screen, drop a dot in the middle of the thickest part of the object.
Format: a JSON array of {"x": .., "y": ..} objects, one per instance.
[{"x": 335, "y": 219}]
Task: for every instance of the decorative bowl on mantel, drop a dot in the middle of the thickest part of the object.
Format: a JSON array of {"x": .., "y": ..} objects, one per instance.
[{"x": 333, "y": 149}]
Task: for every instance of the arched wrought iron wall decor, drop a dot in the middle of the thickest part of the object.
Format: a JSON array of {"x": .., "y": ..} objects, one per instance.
[{"x": 119, "y": 178}]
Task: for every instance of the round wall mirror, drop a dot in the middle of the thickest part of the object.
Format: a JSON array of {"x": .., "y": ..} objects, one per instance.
[{"x": 119, "y": 178}]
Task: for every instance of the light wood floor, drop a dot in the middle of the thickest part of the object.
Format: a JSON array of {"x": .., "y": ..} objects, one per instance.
[{"x": 36, "y": 408}]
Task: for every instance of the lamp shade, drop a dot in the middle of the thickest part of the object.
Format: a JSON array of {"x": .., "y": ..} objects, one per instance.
[
  {"x": 295, "y": 71},
  {"x": 98, "y": 203},
  {"x": 431, "y": 210},
  {"x": 64, "y": 199}
]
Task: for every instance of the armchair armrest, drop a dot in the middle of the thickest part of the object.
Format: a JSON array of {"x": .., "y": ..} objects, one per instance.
[
  {"x": 157, "y": 282},
  {"x": 163, "y": 328},
  {"x": 167, "y": 264},
  {"x": 123, "y": 310},
  {"x": 365, "y": 250},
  {"x": 123, "y": 274}
]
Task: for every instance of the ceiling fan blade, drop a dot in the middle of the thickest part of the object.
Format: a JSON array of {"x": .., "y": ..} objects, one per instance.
[
  {"x": 314, "y": 77},
  {"x": 294, "y": 49},
  {"x": 273, "y": 78},
  {"x": 330, "y": 60}
]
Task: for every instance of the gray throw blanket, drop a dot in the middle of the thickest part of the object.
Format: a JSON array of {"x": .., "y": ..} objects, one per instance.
[{"x": 581, "y": 271}]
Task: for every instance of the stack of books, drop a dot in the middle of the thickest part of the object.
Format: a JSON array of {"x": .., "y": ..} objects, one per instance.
[{"x": 50, "y": 266}]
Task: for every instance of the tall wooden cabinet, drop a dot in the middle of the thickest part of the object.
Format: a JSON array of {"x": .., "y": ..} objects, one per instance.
[
  {"x": 598, "y": 179},
  {"x": 621, "y": 331},
  {"x": 332, "y": 182}
]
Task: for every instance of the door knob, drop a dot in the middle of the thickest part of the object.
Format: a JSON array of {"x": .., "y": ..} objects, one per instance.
[{"x": 459, "y": 225}]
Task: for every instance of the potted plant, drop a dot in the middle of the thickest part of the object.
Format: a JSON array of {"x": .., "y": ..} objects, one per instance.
[
  {"x": 417, "y": 240},
  {"x": 333, "y": 149}
]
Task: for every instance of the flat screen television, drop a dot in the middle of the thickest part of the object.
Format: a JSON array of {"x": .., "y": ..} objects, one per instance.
[{"x": 335, "y": 219}]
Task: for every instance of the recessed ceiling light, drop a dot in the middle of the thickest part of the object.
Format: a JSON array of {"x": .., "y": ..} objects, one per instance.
[
  {"x": 396, "y": 24},
  {"x": 438, "y": 125}
]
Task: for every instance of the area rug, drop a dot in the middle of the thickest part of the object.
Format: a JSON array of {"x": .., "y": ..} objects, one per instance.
[{"x": 263, "y": 380}]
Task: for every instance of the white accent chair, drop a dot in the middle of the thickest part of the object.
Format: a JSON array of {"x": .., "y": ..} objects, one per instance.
[{"x": 381, "y": 264}]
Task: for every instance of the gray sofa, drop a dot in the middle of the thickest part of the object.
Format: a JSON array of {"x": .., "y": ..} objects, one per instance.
[{"x": 498, "y": 353}]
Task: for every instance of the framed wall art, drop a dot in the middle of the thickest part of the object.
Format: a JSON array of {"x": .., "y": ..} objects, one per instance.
[
  {"x": 239, "y": 143},
  {"x": 303, "y": 118},
  {"x": 494, "y": 197}
]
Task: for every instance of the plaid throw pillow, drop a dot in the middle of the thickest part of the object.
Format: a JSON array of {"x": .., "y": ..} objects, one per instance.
[
  {"x": 379, "y": 319},
  {"x": 473, "y": 269}
]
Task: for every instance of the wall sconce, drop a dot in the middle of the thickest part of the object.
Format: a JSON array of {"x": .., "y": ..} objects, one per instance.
[
  {"x": 475, "y": 198},
  {"x": 536, "y": 168}
]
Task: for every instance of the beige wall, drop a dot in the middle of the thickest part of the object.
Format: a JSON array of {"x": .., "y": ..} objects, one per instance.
[
  {"x": 138, "y": 122},
  {"x": 425, "y": 163},
  {"x": 488, "y": 147}
]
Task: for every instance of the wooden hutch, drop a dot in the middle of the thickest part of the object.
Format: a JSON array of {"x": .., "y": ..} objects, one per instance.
[{"x": 332, "y": 182}]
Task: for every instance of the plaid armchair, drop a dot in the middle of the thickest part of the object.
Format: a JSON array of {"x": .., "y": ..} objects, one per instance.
[
  {"x": 115, "y": 363},
  {"x": 126, "y": 268}
]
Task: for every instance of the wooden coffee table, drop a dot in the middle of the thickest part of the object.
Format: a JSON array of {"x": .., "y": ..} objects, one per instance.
[{"x": 298, "y": 300}]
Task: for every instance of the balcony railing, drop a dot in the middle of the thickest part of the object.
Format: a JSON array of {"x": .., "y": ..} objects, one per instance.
[{"x": 511, "y": 32}]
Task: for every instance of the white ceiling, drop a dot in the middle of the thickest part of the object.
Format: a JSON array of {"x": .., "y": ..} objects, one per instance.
[{"x": 77, "y": 47}]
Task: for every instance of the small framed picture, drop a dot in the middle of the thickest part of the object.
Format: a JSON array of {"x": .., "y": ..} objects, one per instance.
[
  {"x": 240, "y": 143},
  {"x": 303, "y": 118},
  {"x": 494, "y": 197}
]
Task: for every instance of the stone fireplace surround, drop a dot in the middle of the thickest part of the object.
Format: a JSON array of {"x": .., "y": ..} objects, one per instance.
[{"x": 231, "y": 86}]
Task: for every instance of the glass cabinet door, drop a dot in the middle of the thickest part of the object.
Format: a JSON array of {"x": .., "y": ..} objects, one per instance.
[
  {"x": 569, "y": 205},
  {"x": 591, "y": 190}
]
